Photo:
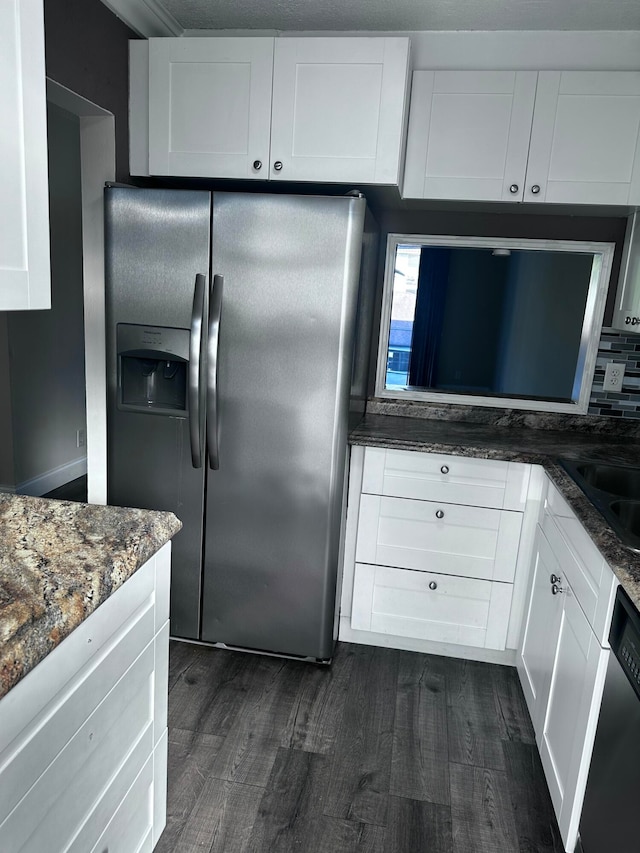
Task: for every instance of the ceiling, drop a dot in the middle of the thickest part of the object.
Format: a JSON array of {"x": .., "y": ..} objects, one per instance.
[{"x": 403, "y": 15}]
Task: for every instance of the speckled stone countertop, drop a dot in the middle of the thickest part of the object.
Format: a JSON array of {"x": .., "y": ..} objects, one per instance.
[
  {"x": 521, "y": 444},
  {"x": 58, "y": 562}
]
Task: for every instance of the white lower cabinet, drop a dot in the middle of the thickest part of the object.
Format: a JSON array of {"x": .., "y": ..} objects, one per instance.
[
  {"x": 435, "y": 541},
  {"x": 83, "y": 737},
  {"x": 562, "y": 660}
]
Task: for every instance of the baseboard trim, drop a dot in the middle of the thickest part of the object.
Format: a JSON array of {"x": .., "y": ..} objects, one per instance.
[
  {"x": 53, "y": 479},
  {"x": 389, "y": 641},
  {"x": 7, "y": 489}
]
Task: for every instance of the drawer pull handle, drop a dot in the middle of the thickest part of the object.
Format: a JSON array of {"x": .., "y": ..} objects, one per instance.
[
  {"x": 439, "y": 513},
  {"x": 555, "y": 578},
  {"x": 433, "y": 585},
  {"x": 444, "y": 469},
  {"x": 555, "y": 589}
]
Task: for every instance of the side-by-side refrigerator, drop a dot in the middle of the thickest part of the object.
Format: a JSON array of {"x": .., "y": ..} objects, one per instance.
[{"x": 237, "y": 343}]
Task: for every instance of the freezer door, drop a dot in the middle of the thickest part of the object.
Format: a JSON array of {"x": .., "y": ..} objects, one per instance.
[
  {"x": 286, "y": 332},
  {"x": 157, "y": 244}
]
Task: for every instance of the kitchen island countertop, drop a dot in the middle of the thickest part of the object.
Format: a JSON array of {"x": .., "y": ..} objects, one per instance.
[
  {"x": 59, "y": 561},
  {"x": 533, "y": 446}
]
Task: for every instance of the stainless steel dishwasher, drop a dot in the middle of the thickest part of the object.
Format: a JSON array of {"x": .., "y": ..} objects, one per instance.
[{"x": 609, "y": 820}]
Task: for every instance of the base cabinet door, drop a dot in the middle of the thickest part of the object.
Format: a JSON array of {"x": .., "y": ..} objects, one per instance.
[
  {"x": 561, "y": 665},
  {"x": 568, "y": 730},
  {"x": 540, "y": 634}
]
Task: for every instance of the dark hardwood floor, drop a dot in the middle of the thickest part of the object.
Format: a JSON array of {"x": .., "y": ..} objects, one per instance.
[
  {"x": 76, "y": 490},
  {"x": 383, "y": 752}
]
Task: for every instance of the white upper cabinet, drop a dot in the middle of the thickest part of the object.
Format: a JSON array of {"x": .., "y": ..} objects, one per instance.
[
  {"x": 469, "y": 134},
  {"x": 585, "y": 138},
  {"x": 569, "y": 137},
  {"x": 210, "y": 106},
  {"x": 25, "y": 278},
  {"x": 338, "y": 109},
  {"x": 294, "y": 109}
]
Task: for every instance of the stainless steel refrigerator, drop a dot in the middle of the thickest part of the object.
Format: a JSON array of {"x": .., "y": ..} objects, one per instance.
[{"x": 237, "y": 342}]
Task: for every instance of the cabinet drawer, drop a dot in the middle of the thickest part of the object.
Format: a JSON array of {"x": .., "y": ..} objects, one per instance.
[
  {"x": 453, "y": 479},
  {"x": 40, "y": 694},
  {"x": 452, "y": 610},
  {"x": 130, "y": 828},
  {"x": 48, "y": 736},
  {"x": 56, "y": 806},
  {"x": 466, "y": 540},
  {"x": 100, "y": 816}
]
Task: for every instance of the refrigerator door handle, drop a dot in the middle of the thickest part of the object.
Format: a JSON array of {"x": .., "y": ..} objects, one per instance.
[
  {"x": 196, "y": 413},
  {"x": 215, "y": 311}
]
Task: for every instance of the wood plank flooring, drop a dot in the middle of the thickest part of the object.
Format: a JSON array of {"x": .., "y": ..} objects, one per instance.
[{"x": 383, "y": 752}]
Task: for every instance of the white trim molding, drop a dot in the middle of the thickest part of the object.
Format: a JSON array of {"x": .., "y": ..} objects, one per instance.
[
  {"x": 148, "y": 18},
  {"x": 53, "y": 479}
]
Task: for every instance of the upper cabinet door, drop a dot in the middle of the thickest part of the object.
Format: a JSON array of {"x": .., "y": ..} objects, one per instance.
[
  {"x": 469, "y": 134},
  {"x": 25, "y": 278},
  {"x": 338, "y": 109},
  {"x": 210, "y": 106},
  {"x": 585, "y": 143}
]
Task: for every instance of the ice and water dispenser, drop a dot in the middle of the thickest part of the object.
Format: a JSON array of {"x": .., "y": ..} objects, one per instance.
[{"x": 152, "y": 369}]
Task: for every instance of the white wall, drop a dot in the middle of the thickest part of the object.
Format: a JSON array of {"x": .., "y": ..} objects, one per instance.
[
  {"x": 537, "y": 50},
  {"x": 47, "y": 347}
]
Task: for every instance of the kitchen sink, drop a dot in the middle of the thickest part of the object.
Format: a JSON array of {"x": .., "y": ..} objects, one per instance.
[
  {"x": 614, "y": 490},
  {"x": 629, "y": 514},
  {"x": 614, "y": 479}
]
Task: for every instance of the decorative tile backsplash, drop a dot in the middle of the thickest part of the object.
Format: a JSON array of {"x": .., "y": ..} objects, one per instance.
[{"x": 622, "y": 349}]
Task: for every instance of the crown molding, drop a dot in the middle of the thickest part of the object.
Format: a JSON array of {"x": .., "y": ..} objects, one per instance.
[{"x": 148, "y": 18}]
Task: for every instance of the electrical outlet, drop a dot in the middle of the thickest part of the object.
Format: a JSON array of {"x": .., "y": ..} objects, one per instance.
[
  {"x": 81, "y": 437},
  {"x": 613, "y": 376}
]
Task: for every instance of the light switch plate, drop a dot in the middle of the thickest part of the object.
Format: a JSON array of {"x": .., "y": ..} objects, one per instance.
[{"x": 613, "y": 376}]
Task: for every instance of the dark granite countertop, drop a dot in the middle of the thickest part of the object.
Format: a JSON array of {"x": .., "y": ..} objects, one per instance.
[
  {"x": 521, "y": 444},
  {"x": 58, "y": 562}
]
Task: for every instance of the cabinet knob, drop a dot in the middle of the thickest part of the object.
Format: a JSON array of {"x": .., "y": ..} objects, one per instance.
[
  {"x": 439, "y": 513},
  {"x": 433, "y": 585},
  {"x": 514, "y": 188},
  {"x": 555, "y": 579},
  {"x": 257, "y": 165},
  {"x": 277, "y": 165},
  {"x": 535, "y": 189},
  {"x": 444, "y": 469},
  {"x": 555, "y": 589}
]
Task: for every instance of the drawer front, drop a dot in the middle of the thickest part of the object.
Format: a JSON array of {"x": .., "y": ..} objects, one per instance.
[
  {"x": 468, "y": 541},
  {"x": 56, "y": 806},
  {"x": 100, "y": 816},
  {"x": 452, "y": 479},
  {"x": 433, "y": 607},
  {"x": 130, "y": 829},
  {"x": 43, "y": 689},
  {"x": 39, "y": 745}
]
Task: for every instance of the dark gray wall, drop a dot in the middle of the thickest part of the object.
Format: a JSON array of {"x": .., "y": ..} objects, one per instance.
[
  {"x": 47, "y": 347},
  {"x": 87, "y": 51}
]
